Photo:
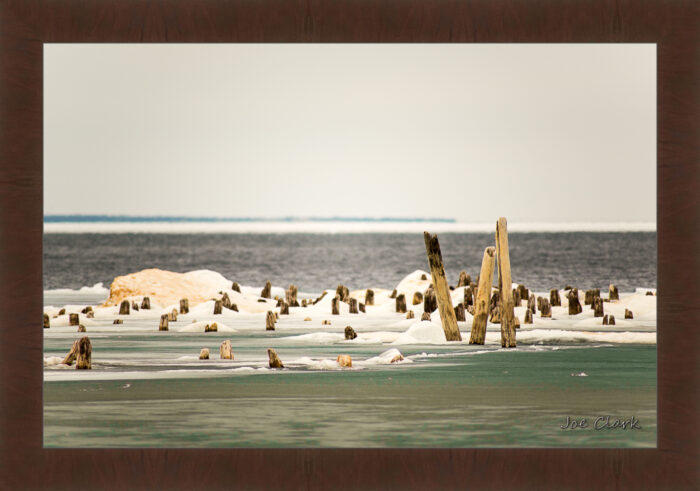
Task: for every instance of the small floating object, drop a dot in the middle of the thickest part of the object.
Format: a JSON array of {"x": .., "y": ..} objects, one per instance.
[{"x": 580, "y": 374}]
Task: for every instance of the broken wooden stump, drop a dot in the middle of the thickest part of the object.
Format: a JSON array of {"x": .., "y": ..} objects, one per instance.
[
  {"x": 217, "y": 307},
  {"x": 516, "y": 322},
  {"x": 588, "y": 297},
  {"x": 62, "y": 312},
  {"x": 429, "y": 301},
  {"x": 528, "y": 317},
  {"x": 81, "y": 328},
  {"x": 483, "y": 297},
  {"x": 545, "y": 309},
  {"x": 464, "y": 279},
  {"x": 516, "y": 297},
  {"x": 352, "y": 302},
  {"x": 442, "y": 292},
  {"x": 184, "y": 306},
  {"x": 270, "y": 321},
  {"x": 204, "y": 354},
  {"x": 124, "y": 307},
  {"x": 401, "y": 304},
  {"x": 495, "y": 316},
  {"x": 146, "y": 303},
  {"x": 84, "y": 356},
  {"x": 459, "y": 313},
  {"x": 172, "y": 316},
  {"x": 531, "y": 303},
  {"x": 342, "y": 292},
  {"x": 73, "y": 319},
  {"x": 393, "y": 293},
  {"x": 611, "y": 320},
  {"x": 225, "y": 350},
  {"x": 265, "y": 292},
  {"x": 86, "y": 310},
  {"x": 226, "y": 301},
  {"x": 235, "y": 287},
  {"x": 213, "y": 327},
  {"x": 597, "y": 307},
  {"x": 290, "y": 295},
  {"x": 369, "y": 297},
  {"x": 47, "y": 321},
  {"x": 397, "y": 358},
  {"x": 134, "y": 306},
  {"x": 319, "y": 298},
  {"x": 163, "y": 326},
  {"x": 350, "y": 333},
  {"x": 523, "y": 291},
  {"x": 90, "y": 314},
  {"x": 72, "y": 354},
  {"x": 410, "y": 315},
  {"x": 118, "y": 321},
  {"x": 574, "y": 303},
  {"x": 613, "y": 294},
  {"x": 344, "y": 360},
  {"x": 554, "y": 298},
  {"x": 417, "y": 298},
  {"x": 468, "y": 296},
  {"x": 649, "y": 293},
  {"x": 425, "y": 316},
  {"x": 326, "y": 322},
  {"x": 362, "y": 308},
  {"x": 284, "y": 308},
  {"x": 335, "y": 305},
  {"x": 539, "y": 303},
  {"x": 628, "y": 314},
  {"x": 273, "y": 359},
  {"x": 423, "y": 277}
]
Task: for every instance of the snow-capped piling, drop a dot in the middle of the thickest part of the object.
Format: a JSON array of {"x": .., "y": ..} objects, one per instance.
[
  {"x": 204, "y": 354},
  {"x": 217, "y": 307},
  {"x": 163, "y": 326},
  {"x": 429, "y": 300},
  {"x": 273, "y": 359},
  {"x": 369, "y": 297},
  {"x": 344, "y": 360},
  {"x": 554, "y": 298},
  {"x": 574, "y": 303},
  {"x": 124, "y": 307},
  {"x": 352, "y": 302},
  {"x": 265, "y": 292},
  {"x": 613, "y": 294},
  {"x": 47, "y": 321},
  {"x": 629, "y": 314},
  {"x": 597, "y": 307},
  {"x": 284, "y": 308},
  {"x": 483, "y": 297},
  {"x": 335, "y": 305},
  {"x": 425, "y": 316},
  {"x": 417, "y": 298},
  {"x": 73, "y": 319},
  {"x": 270, "y": 321},
  {"x": 291, "y": 295},
  {"x": 225, "y": 350},
  {"x": 464, "y": 279},
  {"x": 442, "y": 291},
  {"x": 459, "y": 313},
  {"x": 84, "y": 355},
  {"x": 184, "y": 306},
  {"x": 505, "y": 285},
  {"x": 401, "y": 304},
  {"x": 146, "y": 303},
  {"x": 350, "y": 333}
]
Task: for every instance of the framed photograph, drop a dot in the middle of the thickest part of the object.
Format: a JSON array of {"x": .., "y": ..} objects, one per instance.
[{"x": 299, "y": 255}]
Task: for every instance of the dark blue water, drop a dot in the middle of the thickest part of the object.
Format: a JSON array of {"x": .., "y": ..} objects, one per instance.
[{"x": 317, "y": 261}]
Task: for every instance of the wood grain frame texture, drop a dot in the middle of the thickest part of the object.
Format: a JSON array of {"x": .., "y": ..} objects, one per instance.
[{"x": 26, "y": 24}]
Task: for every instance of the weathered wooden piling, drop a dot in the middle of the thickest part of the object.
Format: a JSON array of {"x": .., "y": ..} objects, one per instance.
[
  {"x": 73, "y": 319},
  {"x": 226, "y": 301},
  {"x": 369, "y": 297},
  {"x": 629, "y": 314},
  {"x": 532, "y": 303},
  {"x": 326, "y": 322},
  {"x": 505, "y": 285},
  {"x": 47, "y": 321},
  {"x": 172, "y": 316},
  {"x": 284, "y": 308},
  {"x": 184, "y": 306},
  {"x": 545, "y": 308},
  {"x": 146, "y": 303},
  {"x": 611, "y": 320},
  {"x": 362, "y": 308},
  {"x": 204, "y": 354},
  {"x": 84, "y": 358},
  {"x": 554, "y": 298},
  {"x": 425, "y": 316},
  {"x": 468, "y": 296},
  {"x": 81, "y": 328},
  {"x": 495, "y": 316},
  {"x": 86, "y": 309},
  {"x": 417, "y": 298},
  {"x": 598, "y": 307},
  {"x": 342, "y": 292},
  {"x": 459, "y": 313},
  {"x": 335, "y": 305},
  {"x": 588, "y": 297},
  {"x": 516, "y": 297},
  {"x": 217, "y": 307},
  {"x": 124, "y": 307},
  {"x": 62, "y": 312},
  {"x": 528, "y": 317},
  {"x": 213, "y": 327},
  {"x": 430, "y": 301},
  {"x": 90, "y": 314},
  {"x": 516, "y": 322},
  {"x": 291, "y": 296},
  {"x": 613, "y": 294},
  {"x": 117, "y": 321},
  {"x": 401, "y": 304},
  {"x": 72, "y": 354},
  {"x": 410, "y": 315},
  {"x": 464, "y": 279},
  {"x": 274, "y": 359},
  {"x": 574, "y": 303},
  {"x": 225, "y": 350},
  {"x": 393, "y": 293},
  {"x": 163, "y": 326},
  {"x": 134, "y": 306},
  {"x": 523, "y": 291},
  {"x": 423, "y": 277},
  {"x": 539, "y": 303},
  {"x": 350, "y": 333},
  {"x": 265, "y": 292},
  {"x": 352, "y": 302},
  {"x": 483, "y": 297},
  {"x": 344, "y": 360},
  {"x": 442, "y": 291},
  {"x": 270, "y": 321}
]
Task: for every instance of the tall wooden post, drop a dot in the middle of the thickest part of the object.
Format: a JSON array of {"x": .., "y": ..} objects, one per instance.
[
  {"x": 442, "y": 290},
  {"x": 483, "y": 298},
  {"x": 505, "y": 285}
]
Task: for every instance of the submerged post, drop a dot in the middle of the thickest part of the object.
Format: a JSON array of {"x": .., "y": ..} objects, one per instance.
[
  {"x": 505, "y": 285},
  {"x": 483, "y": 297},
  {"x": 442, "y": 291}
]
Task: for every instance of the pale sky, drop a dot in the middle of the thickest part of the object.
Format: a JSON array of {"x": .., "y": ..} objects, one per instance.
[{"x": 538, "y": 133}]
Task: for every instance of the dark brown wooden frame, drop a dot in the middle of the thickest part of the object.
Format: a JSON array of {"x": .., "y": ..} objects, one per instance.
[{"x": 26, "y": 24}]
